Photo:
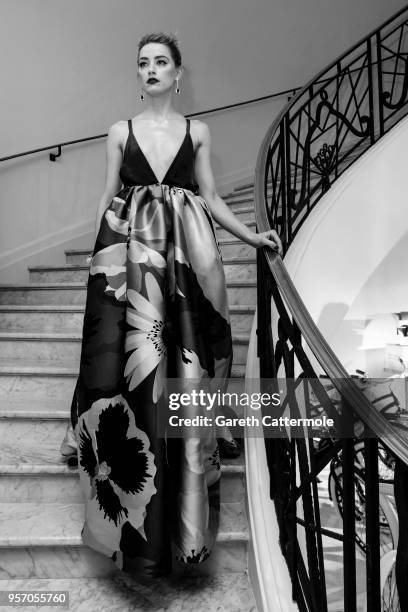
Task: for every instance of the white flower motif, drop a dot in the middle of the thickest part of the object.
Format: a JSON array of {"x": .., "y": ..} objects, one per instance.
[
  {"x": 118, "y": 225},
  {"x": 141, "y": 253},
  {"x": 111, "y": 261},
  {"x": 100, "y": 530},
  {"x": 146, "y": 341}
]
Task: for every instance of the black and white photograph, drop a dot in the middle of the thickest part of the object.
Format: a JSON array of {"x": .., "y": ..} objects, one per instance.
[{"x": 203, "y": 305}]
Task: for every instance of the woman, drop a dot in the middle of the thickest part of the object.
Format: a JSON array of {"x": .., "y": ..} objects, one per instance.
[{"x": 156, "y": 309}]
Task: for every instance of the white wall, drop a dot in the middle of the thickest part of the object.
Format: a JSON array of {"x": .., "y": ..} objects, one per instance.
[
  {"x": 69, "y": 70},
  {"x": 55, "y": 203},
  {"x": 69, "y": 67},
  {"x": 361, "y": 228}
]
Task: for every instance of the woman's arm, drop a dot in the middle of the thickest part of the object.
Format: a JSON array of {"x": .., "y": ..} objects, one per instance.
[
  {"x": 219, "y": 209},
  {"x": 113, "y": 161}
]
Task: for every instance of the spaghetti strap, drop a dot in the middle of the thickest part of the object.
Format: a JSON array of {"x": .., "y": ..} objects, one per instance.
[{"x": 136, "y": 169}]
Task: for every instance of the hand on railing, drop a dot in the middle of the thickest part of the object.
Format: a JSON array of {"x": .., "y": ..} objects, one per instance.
[{"x": 269, "y": 238}]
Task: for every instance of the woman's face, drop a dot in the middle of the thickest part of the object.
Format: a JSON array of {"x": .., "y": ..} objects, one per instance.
[{"x": 156, "y": 69}]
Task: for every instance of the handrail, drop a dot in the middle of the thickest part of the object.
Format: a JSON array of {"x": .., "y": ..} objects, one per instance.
[{"x": 59, "y": 145}]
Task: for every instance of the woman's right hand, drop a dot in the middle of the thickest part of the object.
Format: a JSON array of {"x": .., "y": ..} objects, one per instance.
[{"x": 269, "y": 238}]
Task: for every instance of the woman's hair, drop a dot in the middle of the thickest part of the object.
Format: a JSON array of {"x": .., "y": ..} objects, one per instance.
[{"x": 165, "y": 39}]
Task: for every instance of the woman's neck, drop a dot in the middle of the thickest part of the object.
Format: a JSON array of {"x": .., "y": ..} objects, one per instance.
[{"x": 159, "y": 110}]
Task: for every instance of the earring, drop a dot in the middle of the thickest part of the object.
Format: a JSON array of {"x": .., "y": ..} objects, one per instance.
[
  {"x": 142, "y": 95},
  {"x": 177, "y": 86}
]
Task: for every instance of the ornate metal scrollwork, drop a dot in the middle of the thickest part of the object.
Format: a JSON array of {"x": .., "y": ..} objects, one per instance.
[
  {"x": 325, "y": 163},
  {"x": 330, "y": 123}
]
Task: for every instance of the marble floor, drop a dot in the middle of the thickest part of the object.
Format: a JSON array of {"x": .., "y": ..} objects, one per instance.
[{"x": 121, "y": 593}]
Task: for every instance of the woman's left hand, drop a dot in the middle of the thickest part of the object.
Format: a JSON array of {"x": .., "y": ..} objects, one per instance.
[{"x": 269, "y": 238}]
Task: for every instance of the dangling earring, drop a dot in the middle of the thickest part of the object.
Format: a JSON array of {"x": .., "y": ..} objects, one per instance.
[
  {"x": 177, "y": 86},
  {"x": 142, "y": 95}
]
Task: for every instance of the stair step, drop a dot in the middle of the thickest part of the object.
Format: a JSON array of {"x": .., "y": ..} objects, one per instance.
[
  {"x": 35, "y": 441},
  {"x": 239, "y": 292},
  {"x": 28, "y": 368},
  {"x": 62, "y": 346},
  {"x": 44, "y": 540},
  {"x": 82, "y": 562},
  {"x": 234, "y": 247},
  {"x": 44, "y": 293},
  {"x": 241, "y": 320},
  {"x": 22, "y": 407},
  {"x": 59, "y": 524},
  {"x": 52, "y": 469},
  {"x": 223, "y": 233},
  {"x": 64, "y": 309},
  {"x": 22, "y": 379},
  {"x": 27, "y": 482},
  {"x": 244, "y": 197},
  {"x": 230, "y": 247},
  {"x": 245, "y": 187},
  {"x": 19, "y": 405},
  {"x": 234, "y": 268},
  {"x": 42, "y": 317},
  {"x": 55, "y": 482},
  {"x": 123, "y": 592},
  {"x": 243, "y": 209}
]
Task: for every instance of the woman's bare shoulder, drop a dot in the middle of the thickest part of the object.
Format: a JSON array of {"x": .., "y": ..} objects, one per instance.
[
  {"x": 117, "y": 134},
  {"x": 117, "y": 128},
  {"x": 200, "y": 130}
]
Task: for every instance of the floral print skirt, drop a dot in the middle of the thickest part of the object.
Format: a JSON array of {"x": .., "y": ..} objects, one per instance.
[{"x": 156, "y": 309}]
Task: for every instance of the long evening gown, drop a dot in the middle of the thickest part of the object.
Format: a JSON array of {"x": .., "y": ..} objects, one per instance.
[{"x": 156, "y": 308}]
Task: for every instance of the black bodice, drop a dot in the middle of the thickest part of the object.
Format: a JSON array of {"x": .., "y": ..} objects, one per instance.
[{"x": 136, "y": 170}]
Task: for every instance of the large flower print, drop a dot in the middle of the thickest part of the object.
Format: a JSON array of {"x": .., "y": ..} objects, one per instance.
[
  {"x": 115, "y": 464},
  {"x": 111, "y": 261},
  {"x": 146, "y": 342},
  {"x": 141, "y": 253}
]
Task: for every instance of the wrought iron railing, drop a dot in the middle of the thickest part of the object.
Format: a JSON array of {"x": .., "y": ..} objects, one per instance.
[
  {"x": 322, "y": 131},
  {"x": 329, "y": 123}
]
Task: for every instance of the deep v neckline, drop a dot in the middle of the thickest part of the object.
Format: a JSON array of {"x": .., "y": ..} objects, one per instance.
[{"x": 147, "y": 161}]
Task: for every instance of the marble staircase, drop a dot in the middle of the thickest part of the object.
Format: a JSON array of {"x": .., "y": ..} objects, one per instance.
[{"x": 41, "y": 509}]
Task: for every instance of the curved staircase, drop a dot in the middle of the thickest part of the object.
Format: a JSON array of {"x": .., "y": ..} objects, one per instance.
[{"x": 41, "y": 510}]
